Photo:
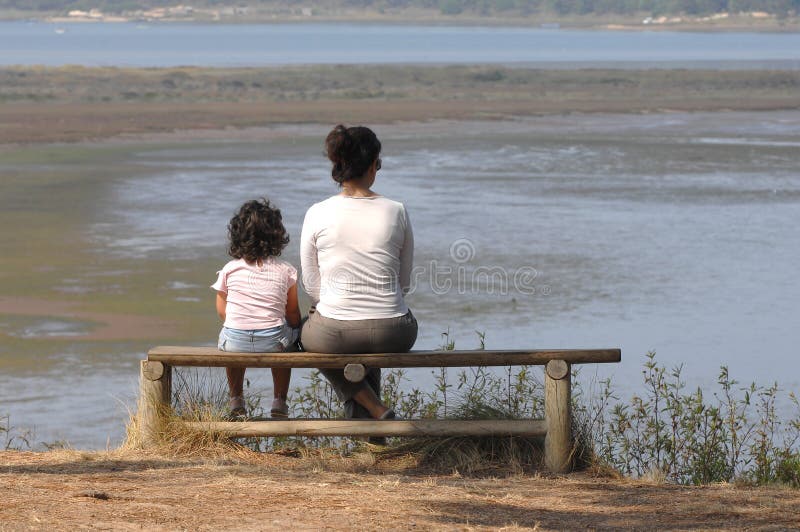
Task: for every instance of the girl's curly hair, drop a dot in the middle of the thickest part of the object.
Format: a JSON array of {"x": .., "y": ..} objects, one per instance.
[{"x": 257, "y": 232}]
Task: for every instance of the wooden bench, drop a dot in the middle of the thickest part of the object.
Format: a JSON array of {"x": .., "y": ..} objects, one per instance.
[{"x": 156, "y": 383}]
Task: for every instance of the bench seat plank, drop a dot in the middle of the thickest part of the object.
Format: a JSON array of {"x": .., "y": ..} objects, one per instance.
[
  {"x": 212, "y": 357},
  {"x": 358, "y": 427}
]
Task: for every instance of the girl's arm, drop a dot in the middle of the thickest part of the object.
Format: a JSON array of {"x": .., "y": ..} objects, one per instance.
[
  {"x": 292, "y": 307},
  {"x": 222, "y": 301}
]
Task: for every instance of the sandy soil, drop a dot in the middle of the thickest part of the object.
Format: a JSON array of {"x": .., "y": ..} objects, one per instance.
[{"x": 130, "y": 490}]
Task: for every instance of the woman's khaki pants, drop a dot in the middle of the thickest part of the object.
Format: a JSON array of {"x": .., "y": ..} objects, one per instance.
[{"x": 327, "y": 335}]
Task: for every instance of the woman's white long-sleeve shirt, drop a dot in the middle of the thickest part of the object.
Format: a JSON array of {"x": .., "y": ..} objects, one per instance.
[{"x": 356, "y": 255}]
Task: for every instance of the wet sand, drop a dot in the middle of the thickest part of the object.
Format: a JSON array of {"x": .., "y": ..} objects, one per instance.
[{"x": 103, "y": 326}]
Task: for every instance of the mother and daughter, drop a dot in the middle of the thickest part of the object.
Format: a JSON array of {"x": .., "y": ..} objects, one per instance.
[{"x": 356, "y": 254}]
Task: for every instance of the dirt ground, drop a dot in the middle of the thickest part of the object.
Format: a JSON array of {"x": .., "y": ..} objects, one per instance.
[{"x": 69, "y": 490}]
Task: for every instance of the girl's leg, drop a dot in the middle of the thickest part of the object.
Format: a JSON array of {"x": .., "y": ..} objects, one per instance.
[
  {"x": 280, "y": 382},
  {"x": 280, "y": 385},
  {"x": 236, "y": 387},
  {"x": 234, "y": 340}
]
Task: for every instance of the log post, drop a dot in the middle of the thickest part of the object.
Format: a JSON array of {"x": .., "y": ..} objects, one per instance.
[
  {"x": 355, "y": 372},
  {"x": 155, "y": 395},
  {"x": 558, "y": 416}
]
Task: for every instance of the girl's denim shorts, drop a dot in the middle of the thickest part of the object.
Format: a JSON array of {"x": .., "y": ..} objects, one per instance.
[{"x": 272, "y": 340}]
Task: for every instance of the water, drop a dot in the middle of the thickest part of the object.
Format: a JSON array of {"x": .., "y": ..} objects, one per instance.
[
  {"x": 161, "y": 45},
  {"x": 673, "y": 232}
]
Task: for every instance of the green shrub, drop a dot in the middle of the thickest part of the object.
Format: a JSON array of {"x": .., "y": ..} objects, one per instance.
[
  {"x": 687, "y": 437},
  {"x": 787, "y": 470}
]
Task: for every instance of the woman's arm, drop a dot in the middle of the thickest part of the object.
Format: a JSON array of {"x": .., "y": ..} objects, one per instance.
[
  {"x": 406, "y": 255},
  {"x": 309, "y": 262},
  {"x": 292, "y": 307},
  {"x": 222, "y": 301}
]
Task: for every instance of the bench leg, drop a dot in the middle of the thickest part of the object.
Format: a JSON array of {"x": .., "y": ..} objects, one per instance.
[
  {"x": 155, "y": 394},
  {"x": 558, "y": 416}
]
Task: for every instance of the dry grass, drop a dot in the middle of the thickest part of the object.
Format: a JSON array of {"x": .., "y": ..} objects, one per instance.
[
  {"x": 176, "y": 440},
  {"x": 470, "y": 456}
]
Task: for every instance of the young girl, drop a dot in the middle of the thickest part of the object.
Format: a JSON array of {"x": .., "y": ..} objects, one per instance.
[{"x": 257, "y": 299}]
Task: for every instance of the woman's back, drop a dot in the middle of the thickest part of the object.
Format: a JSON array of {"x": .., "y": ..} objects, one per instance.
[
  {"x": 357, "y": 254},
  {"x": 357, "y": 249}
]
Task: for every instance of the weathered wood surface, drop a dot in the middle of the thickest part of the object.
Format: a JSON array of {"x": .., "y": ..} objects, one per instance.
[
  {"x": 212, "y": 357},
  {"x": 355, "y": 372},
  {"x": 557, "y": 369},
  {"x": 558, "y": 415},
  {"x": 155, "y": 393},
  {"x": 359, "y": 427},
  {"x": 153, "y": 371}
]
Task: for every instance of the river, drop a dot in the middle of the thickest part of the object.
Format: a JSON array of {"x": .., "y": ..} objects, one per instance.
[
  {"x": 227, "y": 45},
  {"x": 672, "y": 232}
]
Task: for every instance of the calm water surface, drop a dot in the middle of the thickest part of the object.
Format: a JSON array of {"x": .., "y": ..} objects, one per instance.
[
  {"x": 160, "y": 45},
  {"x": 677, "y": 233}
]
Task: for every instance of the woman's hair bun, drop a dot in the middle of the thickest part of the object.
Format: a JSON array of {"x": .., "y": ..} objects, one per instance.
[
  {"x": 338, "y": 144},
  {"x": 352, "y": 151}
]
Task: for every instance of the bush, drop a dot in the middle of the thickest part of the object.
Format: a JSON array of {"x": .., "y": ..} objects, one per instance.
[
  {"x": 688, "y": 438},
  {"x": 788, "y": 469}
]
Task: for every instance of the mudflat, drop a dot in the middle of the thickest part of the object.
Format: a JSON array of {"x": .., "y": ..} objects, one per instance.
[{"x": 69, "y": 104}]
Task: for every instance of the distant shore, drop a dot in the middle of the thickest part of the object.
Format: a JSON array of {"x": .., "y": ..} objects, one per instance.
[
  {"x": 70, "y": 104},
  {"x": 745, "y": 21}
]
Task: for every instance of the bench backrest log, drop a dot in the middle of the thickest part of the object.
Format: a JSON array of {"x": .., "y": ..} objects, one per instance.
[
  {"x": 212, "y": 357},
  {"x": 156, "y": 384}
]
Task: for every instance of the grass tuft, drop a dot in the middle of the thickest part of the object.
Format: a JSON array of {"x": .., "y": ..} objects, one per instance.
[{"x": 470, "y": 456}]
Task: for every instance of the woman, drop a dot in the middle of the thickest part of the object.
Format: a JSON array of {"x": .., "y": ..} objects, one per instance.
[{"x": 356, "y": 252}]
